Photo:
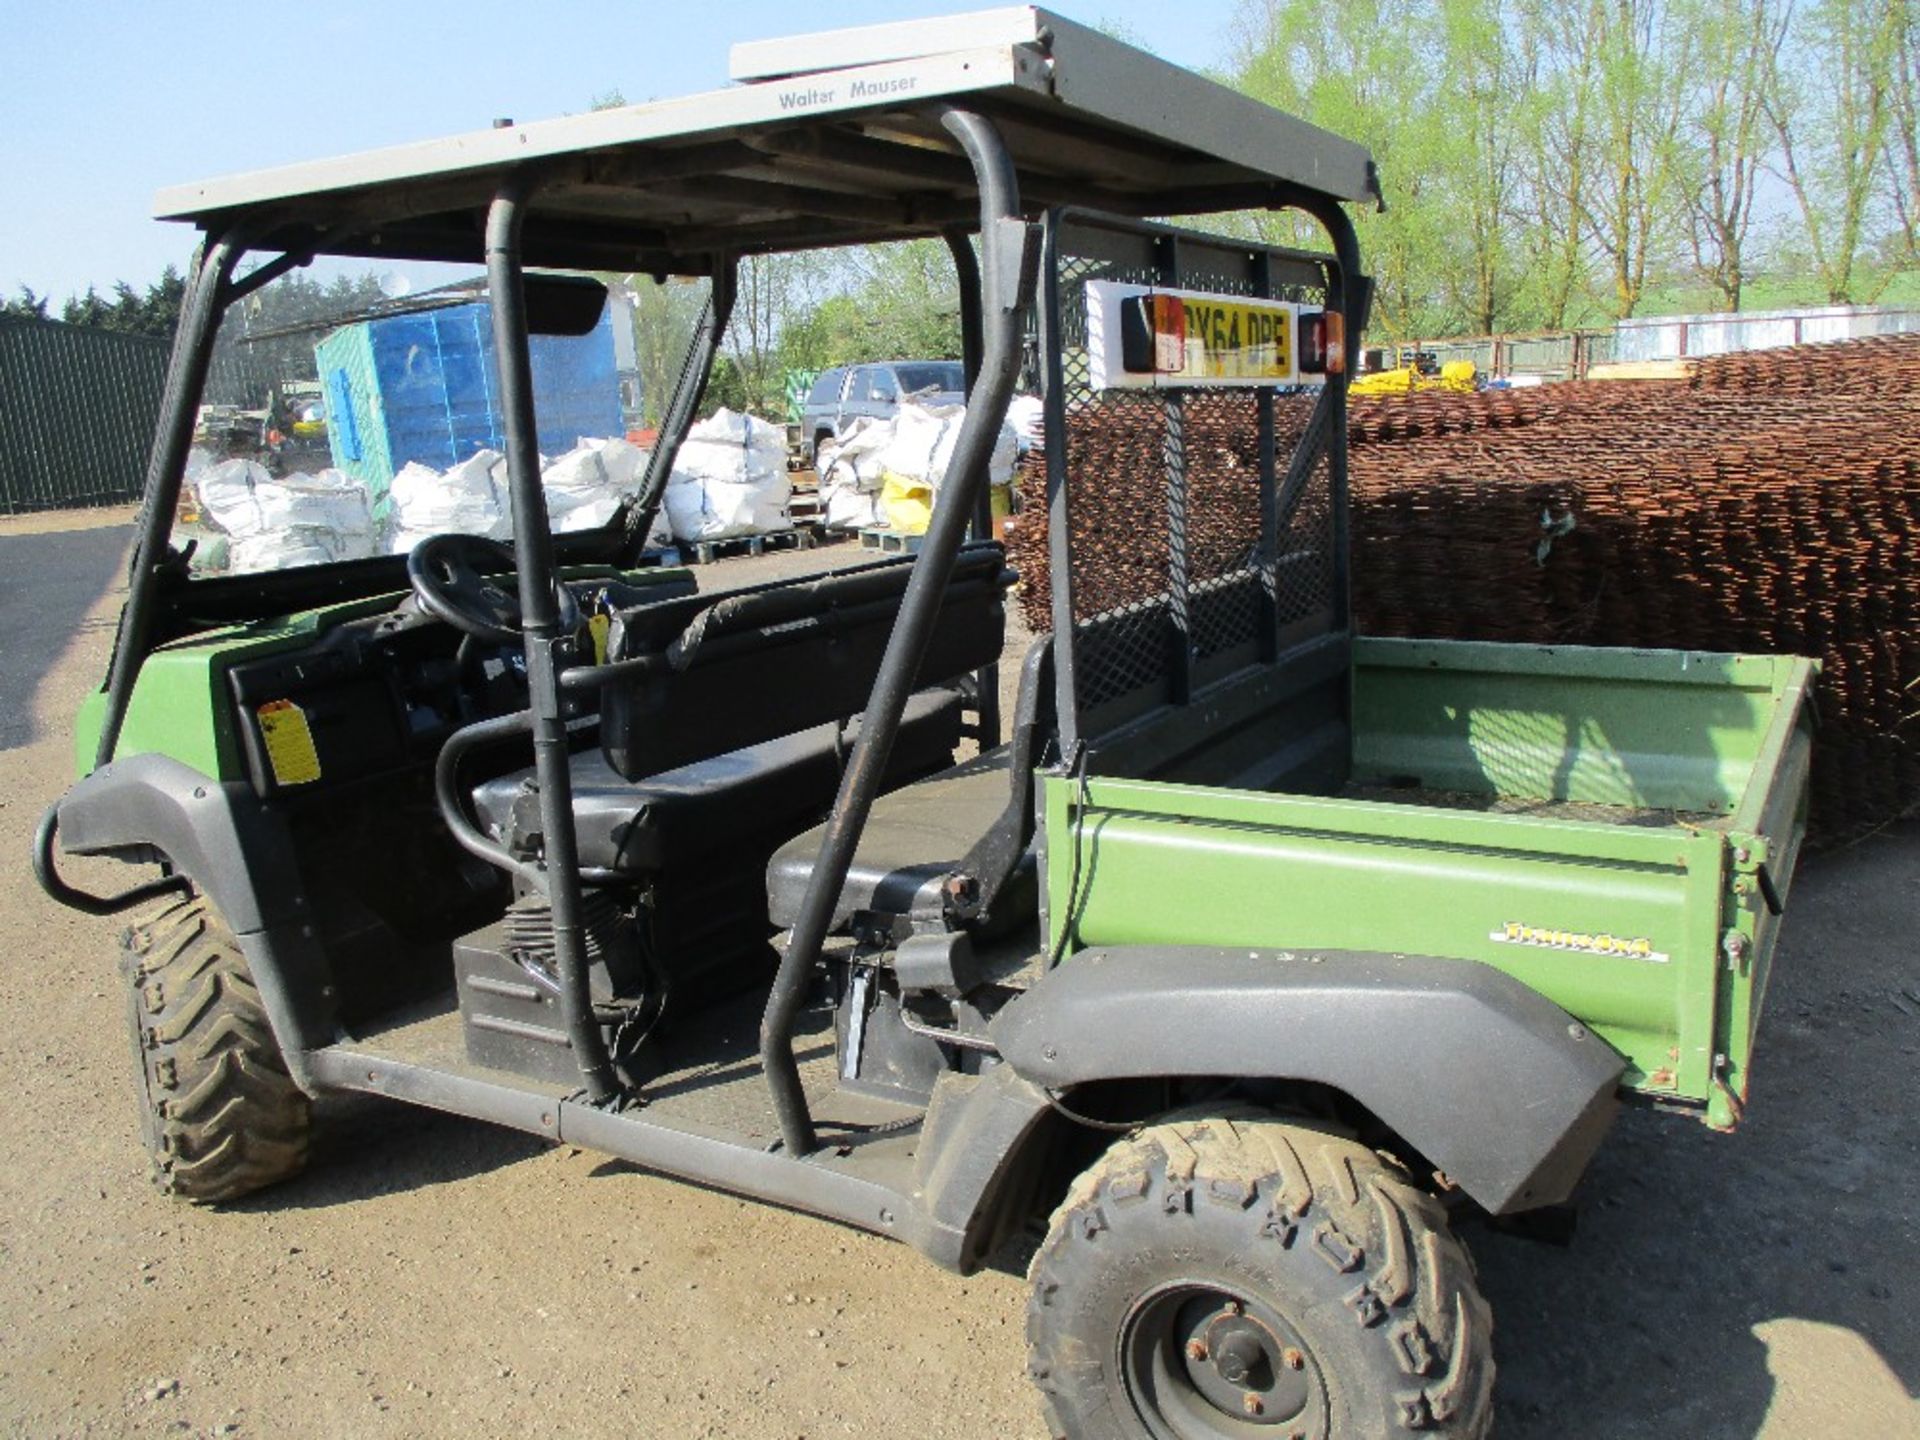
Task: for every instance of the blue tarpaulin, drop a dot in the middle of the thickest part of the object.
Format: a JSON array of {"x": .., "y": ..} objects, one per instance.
[{"x": 424, "y": 387}]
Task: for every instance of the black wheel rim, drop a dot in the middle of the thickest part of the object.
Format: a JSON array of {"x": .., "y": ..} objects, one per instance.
[{"x": 1202, "y": 1362}]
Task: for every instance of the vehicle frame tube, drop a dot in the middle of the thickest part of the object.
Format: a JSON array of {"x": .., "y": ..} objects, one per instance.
[
  {"x": 1008, "y": 288},
  {"x": 208, "y": 293},
  {"x": 547, "y": 648}
]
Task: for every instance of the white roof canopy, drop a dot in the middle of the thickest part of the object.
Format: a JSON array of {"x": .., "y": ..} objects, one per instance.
[{"x": 826, "y": 139}]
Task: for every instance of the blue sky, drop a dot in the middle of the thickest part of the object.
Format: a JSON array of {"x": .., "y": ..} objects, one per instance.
[{"x": 107, "y": 101}]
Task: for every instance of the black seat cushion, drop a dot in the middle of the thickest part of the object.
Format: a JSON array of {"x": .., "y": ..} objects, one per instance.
[
  {"x": 915, "y": 837},
  {"x": 637, "y": 827}
]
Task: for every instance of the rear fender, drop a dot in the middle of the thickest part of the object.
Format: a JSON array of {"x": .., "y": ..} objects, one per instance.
[{"x": 1497, "y": 1086}]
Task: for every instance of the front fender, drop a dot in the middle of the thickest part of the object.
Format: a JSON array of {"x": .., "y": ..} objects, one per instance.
[
  {"x": 237, "y": 851},
  {"x": 221, "y": 835},
  {"x": 1496, "y": 1085}
]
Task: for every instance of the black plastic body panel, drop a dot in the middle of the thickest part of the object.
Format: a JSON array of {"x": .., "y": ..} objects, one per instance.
[
  {"x": 233, "y": 846},
  {"x": 511, "y": 1020},
  {"x": 238, "y": 851},
  {"x": 1492, "y": 1082}
]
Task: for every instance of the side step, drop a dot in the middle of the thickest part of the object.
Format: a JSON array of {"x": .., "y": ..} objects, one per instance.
[{"x": 865, "y": 1181}]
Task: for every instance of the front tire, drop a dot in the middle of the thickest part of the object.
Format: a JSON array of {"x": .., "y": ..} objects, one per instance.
[
  {"x": 219, "y": 1114},
  {"x": 1231, "y": 1278}
]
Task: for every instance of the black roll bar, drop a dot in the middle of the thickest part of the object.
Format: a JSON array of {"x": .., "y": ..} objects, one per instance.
[
  {"x": 46, "y": 870},
  {"x": 1007, "y": 242},
  {"x": 966, "y": 272},
  {"x": 548, "y": 648},
  {"x": 211, "y": 288},
  {"x": 688, "y": 391},
  {"x": 1350, "y": 292},
  {"x": 208, "y": 293}
]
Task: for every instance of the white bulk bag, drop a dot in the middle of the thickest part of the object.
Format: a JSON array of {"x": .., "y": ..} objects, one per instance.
[
  {"x": 720, "y": 509},
  {"x": 731, "y": 447},
  {"x": 923, "y": 441},
  {"x": 244, "y": 500}
]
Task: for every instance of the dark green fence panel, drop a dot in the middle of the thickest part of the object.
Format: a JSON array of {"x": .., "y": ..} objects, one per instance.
[{"x": 77, "y": 411}]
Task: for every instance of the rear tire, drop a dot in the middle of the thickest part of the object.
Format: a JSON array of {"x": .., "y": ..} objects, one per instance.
[
  {"x": 219, "y": 1114},
  {"x": 1241, "y": 1277}
]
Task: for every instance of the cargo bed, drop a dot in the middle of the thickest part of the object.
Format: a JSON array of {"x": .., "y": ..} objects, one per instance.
[{"x": 1616, "y": 828}]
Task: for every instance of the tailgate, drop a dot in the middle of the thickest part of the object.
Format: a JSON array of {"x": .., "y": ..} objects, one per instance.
[{"x": 1763, "y": 847}]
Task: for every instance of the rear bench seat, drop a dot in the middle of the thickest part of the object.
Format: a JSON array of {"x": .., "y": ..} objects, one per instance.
[
  {"x": 721, "y": 737},
  {"x": 973, "y": 820}
]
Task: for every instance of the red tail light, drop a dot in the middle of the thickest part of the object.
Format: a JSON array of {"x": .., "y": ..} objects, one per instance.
[{"x": 1323, "y": 343}]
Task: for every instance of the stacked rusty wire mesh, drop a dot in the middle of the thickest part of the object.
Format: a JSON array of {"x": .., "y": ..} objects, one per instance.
[{"x": 1768, "y": 503}]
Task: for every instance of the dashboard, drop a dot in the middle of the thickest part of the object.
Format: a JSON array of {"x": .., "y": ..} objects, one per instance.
[
  {"x": 381, "y": 694},
  {"x": 370, "y": 696}
]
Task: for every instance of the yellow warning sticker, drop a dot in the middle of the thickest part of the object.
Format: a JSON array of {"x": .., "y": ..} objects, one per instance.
[
  {"x": 597, "y": 627},
  {"x": 289, "y": 742}
]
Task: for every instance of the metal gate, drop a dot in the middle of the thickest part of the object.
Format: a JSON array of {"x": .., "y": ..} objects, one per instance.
[{"x": 77, "y": 413}]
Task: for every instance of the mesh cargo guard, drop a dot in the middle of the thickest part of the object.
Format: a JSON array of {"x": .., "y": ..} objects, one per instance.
[{"x": 1182, "y": 540}]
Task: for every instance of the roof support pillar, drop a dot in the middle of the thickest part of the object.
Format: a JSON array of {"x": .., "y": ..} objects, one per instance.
[
  {"x": 1010, "y": 250},
  {"x": 548, "y": 648}
]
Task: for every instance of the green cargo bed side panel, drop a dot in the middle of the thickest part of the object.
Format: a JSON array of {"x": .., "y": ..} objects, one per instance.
[
  {"x": 1624, "y": 925},
  {"x": 1169, "y": 864}
]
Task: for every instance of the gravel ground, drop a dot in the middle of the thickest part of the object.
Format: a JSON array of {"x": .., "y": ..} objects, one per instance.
[{"x": 433, "y": 1276}]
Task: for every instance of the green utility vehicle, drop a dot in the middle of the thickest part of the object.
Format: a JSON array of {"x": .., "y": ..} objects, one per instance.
[{"x": 1239, "y": 960}]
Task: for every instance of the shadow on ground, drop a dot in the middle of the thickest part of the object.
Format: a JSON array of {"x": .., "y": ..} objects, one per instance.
[
  {"x": 48, "y": 584},
  {"x": 1705, "y": 1266},
  {"x": 365, "y": 1147}
]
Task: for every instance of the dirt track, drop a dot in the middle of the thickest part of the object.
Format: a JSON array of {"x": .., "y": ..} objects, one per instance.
[{"x": 432, "y": 1276}]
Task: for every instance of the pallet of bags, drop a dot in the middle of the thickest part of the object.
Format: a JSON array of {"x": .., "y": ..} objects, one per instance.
[
  {"x": 914, "y": 465},
  {"x": 587, "y": 485},
  {"x": 852, "y": 476},
  {"x": 469, "y": 499},
  {"x": 277, "y": 523},
  {"x": 730, "y": 478},
  {"x": 584, "y": 488}
]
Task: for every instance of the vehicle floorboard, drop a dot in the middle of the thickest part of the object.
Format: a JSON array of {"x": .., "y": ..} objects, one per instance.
[{"x": 704, "y": 1076}]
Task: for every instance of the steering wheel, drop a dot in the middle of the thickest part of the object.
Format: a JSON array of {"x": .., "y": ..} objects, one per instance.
[{"x": 445, "y": 573}]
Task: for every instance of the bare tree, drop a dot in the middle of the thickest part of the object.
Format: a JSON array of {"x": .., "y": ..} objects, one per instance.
[
  {"x": 1481, "y": 72},
  {"x": 1371, "y": 79},
  {"x": 1559, "y": 44},
  {"x": 1833, "y": 134},
  {"x": 1642, "y": 53},
  {"x": 1739, "y": 56},
  {"x": 1903, "y": 154},
  {"x": 665, "y": 314},
  {"x": 771, "y": 292}
]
